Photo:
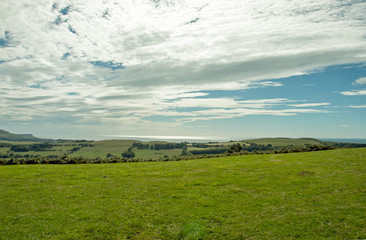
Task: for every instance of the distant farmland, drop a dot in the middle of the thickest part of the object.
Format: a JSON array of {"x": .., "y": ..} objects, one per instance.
[{"x": 153, "y": 150}]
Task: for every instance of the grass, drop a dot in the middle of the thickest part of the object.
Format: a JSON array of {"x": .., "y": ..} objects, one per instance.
[
  {"x": 304, "y": 195},
  {"x": 116, "y": 147},
  {"x": 285, "y": 141},
  {"x": 156, "y": 154},
  {"x": 100, "y": 149}
]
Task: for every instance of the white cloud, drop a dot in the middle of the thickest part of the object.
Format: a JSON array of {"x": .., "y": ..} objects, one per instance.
[
  {"x": 309, "y": 104},
  {"x": 140, "y": 32},
  {"x": 173, "y": 53},
  {"x": 360, "y": 81},
  {"x": 357, "y": 106},
  {"x": 354, "y": 93}
]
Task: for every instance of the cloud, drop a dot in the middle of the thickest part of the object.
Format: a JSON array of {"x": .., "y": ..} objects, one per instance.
[
  {"x": 309, "y": 104},
  {"x": 357, "y": 106},
  {"x": 357, "y": 92},
  {"x": 360, "y": 81},
  {"x": 354, "y": 93},
  {"x": 212, "y": 114},
  {"x": 126, "y": 62}
]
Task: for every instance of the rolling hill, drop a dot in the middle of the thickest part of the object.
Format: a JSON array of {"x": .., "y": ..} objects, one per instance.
[
  {"x": 27, "y": 146},
  {"x": 7, "y": 136}
]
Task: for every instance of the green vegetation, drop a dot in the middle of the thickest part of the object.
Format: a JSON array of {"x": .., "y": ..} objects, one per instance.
[
  {"x": 14, "y": 151},
  {"x": 33, "y": 147},
  {"x": 286, "y": 141},
  {"x": 7, "y": 136},
  {"x": 82, "y": 151},
  {"x": 128, "y": 153},
  {"x": 310, "y": 195}
]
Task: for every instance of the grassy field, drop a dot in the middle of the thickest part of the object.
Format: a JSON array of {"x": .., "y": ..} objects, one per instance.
[
  {"x": 280, "y": 141},
  {"x": 100, "y": 149},
  {"x": 284, "y": 141},
  {"x": 116, "y": 147},
  {"x": 303, "y": 195}
]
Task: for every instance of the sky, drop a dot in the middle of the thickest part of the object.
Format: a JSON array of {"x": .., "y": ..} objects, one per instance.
[{"x": 207, "y": 69}]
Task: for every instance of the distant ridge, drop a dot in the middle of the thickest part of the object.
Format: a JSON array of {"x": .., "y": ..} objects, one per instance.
[{"x": 7, "y": 136}]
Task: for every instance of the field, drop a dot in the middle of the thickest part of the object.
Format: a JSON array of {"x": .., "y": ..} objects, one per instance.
[
  {"x": 283, "y": 196},
  {"x": 96, "y": 149},
  {"x": 115, "y": 148},
  {"x": 284, "y": 141}
]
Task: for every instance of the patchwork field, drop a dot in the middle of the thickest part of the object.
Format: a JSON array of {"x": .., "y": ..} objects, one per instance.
[
  {"x": 153, "y": 150},
  {"x": 282, "y": 196}
]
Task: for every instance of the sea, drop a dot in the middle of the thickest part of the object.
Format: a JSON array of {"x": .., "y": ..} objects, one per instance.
[
  {"x": 205, "y": 139},
  {"x": 345, "y": 140},
  {"x": 195, "y": 139}
]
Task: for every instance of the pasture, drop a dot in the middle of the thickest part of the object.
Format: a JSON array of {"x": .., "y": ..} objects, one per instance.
[
  {"x": 103, "y": 149},
  {"x": 299, "y": 195}
]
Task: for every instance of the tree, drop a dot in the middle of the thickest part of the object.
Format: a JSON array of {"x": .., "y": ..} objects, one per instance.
[
  {"x": 235, "y": 148},
  {"x": 184, "y": 151},
  {"x": 128, "y": 154}
]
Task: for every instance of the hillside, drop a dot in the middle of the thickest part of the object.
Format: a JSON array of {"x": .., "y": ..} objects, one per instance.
[
  {"x": 7, "y": 136},
  {"x": 27, "y": 146},
  {"x": 314, "y": 195},
  {"x": 286, "y": 141}
]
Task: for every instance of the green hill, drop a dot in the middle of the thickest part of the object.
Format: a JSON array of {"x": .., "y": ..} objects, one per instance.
[
  {"x": 153, "y": 150},
  {"x": 7, "y": 136},
  {"x": 286, "y": 141}
]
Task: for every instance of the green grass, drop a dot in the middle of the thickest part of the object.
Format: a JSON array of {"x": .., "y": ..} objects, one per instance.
[
  {"x": 116, "y": 147},
  {"x": 304, "y": 195},
  {"x": 285, "y": 141},
  {"x": 156, "y": 154},
  {"x": 17, "y": 142},
  {"x": 59, "y": 149},
  {"x": 4, "y": 149},
  {"x": 101, "y": 148}
]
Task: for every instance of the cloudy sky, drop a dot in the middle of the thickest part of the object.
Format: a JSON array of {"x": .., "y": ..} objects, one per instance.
[{"x": 205, "y": 68}]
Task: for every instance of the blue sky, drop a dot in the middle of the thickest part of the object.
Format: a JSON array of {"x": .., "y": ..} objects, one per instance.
[{"x": 206, "y": 69}]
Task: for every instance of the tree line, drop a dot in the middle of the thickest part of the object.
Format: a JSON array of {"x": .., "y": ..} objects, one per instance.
[
  {"x": 129, "y": 155},
  {"x": 167, "y": 146},
  {"x": 38, "y": 147},
  {"x": 113, "y": 159}
]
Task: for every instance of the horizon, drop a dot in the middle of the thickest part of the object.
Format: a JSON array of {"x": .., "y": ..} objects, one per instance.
[
  {"x": 173, "y": 69},
  {"x": 192, "y": 139}
]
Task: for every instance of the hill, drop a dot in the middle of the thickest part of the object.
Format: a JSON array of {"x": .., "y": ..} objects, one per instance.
[
  {"x": 287, "y": 141},
  {"x": 27, "y": 146},
  {"x": 7, "y": 136},
  {"x": 313, "y": 195}
]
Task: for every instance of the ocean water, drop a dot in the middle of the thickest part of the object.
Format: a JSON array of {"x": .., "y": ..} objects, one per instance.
[
  {"x": 345, "y": 140},
  {"x": 195, "y": 139},
  {"x": 205, "y": 139}
]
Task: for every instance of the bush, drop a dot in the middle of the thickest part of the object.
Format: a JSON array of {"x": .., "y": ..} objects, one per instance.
[{"x": 128, "y": 154}]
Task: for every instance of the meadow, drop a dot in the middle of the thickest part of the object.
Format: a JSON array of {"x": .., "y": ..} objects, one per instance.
[
  {"x": 153, "y": 150},
  {"x": 309, "y": 195}
]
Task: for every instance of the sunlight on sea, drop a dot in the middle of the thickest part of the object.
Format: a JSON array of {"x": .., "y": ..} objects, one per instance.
[{"x": 168, "y": 138}]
